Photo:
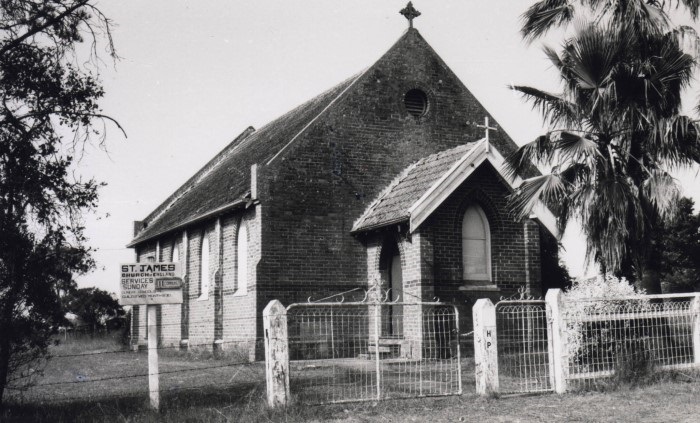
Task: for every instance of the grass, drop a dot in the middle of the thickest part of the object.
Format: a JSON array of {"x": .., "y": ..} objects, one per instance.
[
  {"x": 672, "y": 401},
  {"x": 221, "y": 393}
]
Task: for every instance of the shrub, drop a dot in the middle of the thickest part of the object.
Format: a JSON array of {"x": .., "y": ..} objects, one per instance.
[
  {"x": 596, "y": 345},
  {"x": 634, "y": 363}
]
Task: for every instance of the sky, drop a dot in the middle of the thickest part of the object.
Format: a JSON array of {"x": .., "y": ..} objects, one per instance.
[{"x": 195, "y": 74}]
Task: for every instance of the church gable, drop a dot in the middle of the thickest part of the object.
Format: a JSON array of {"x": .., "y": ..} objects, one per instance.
[{"x": 408, "y": 101}]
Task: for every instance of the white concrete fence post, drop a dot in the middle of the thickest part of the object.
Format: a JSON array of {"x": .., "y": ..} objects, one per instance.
[
  {"x": 276, "y": 354},
  {"x": 153, "y": 373},
  {"x": 485, "y": 347},
  {"x": 696, "y": 330},
  {"x": 558, "y": 350}
]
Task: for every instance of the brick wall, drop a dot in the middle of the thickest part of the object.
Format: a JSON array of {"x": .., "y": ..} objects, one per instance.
[
  {"x": 170, "y": 314},
  {"x": 238, "y": 323},
  {"x": 329, "y": 175},
  {"x": 515, "y": 263}
]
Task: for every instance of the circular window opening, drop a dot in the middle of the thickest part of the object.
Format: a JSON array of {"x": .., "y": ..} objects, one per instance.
[{"x": 416, "y": 102}]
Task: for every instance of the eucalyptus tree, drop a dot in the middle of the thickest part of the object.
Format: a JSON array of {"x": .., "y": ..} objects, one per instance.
[
  {"x": 49, "y": 111},
  {"x": 615, "y": 131}
]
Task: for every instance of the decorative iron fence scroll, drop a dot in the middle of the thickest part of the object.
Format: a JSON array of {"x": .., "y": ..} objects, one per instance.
[{"x": 372, "y": 350}]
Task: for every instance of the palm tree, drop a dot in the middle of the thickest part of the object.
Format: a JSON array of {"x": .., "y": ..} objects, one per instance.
[
  {"x": 615, "y": 132},
  {"x": 645, "y": 16}
]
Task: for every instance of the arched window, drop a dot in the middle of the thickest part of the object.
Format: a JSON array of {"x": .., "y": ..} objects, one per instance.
[
  {"x": 242, "y": 260},
  {"x": 476, "y": 245},
  {"x": 176, "y": 250},
  {"x": 204, "y": 267}
]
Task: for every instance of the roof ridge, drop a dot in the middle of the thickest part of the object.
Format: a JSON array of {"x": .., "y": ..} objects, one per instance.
[
  {"x": 246, "y": 137},
  {"x": 353, "y": 78},
  {"x": 199, "y": 175},
  {"x": 405, "y": 34}
]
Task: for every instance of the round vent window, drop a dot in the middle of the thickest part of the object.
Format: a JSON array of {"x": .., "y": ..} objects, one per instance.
[{"x": 416, "y": 102}]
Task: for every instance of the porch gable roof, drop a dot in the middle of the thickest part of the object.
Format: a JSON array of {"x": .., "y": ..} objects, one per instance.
[{"x": 420, "y": 189}]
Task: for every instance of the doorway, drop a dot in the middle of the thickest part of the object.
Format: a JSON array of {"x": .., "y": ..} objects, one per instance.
[{"x": 392, "y": 281}]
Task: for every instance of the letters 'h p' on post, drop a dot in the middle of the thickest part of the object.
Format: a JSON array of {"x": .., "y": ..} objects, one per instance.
[{"x": 485, "y": 347}]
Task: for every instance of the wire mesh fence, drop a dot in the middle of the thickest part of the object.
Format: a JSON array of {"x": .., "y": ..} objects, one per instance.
[
  {"x": 640, "y": 334},
  {"x": 103, "y": 368},
  {"x": 362, "y": 351},
  {"x": 523, "y": 346}
]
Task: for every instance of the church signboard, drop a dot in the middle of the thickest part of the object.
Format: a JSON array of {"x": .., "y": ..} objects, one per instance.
[{"x": 150, "y": 283}]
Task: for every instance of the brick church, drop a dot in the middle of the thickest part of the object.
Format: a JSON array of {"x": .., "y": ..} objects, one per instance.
[{"x": 383, "y": 179}]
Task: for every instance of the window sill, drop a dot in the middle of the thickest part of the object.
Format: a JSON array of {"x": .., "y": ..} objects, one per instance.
[
  {"x": 204, "y": 297},
  {"x": 240, "y": 294},
  {"x": 484, "y": 287}
]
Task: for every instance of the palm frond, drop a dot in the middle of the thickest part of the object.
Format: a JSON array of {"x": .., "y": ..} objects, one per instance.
[
  {"x": 592, "y": 54},
  {"x": 554, "y": 108},
  {"x": 574, "y": 147},
  {"x": 576, "y": 174},
  {"x": 544, "y": 15},
  {"x": 674, "y": 141},
  {"x": 648, "y": 14},
  {"x": 693, "y": 7},
  {"x": 553, "y": 57},
  {"x": 609, "y": 213},
  {"x": 550, "y": 189},
  {"x": 687, "y": 37},
  {"x": 662, "y": 191},
  {"x": 534, "y": 152}
]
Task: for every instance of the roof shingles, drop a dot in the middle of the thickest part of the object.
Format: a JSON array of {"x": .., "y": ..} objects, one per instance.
[
  {"x": 228, "y": 181},
  {"x": 393, "y": 203}
]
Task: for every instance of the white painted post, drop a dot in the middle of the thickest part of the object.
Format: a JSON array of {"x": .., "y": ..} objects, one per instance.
[
  {"x": 378, "y": 370},
  {"x": 485, "y": 347},
  {"x": 153, "y": 387},
  {"x": 696, "y": 329},
  {"x": 276, "y": 354},
  {"x": 558, "y": 357}
]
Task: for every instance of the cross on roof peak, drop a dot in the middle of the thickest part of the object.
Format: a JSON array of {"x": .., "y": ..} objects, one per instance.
[{"x": 410, "y": 13}]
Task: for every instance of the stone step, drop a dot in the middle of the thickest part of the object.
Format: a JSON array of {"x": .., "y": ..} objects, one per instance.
[{"x": 382, "y": 349}]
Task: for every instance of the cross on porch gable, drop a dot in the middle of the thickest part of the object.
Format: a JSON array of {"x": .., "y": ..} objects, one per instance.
[{"x": 486, "y": 127}]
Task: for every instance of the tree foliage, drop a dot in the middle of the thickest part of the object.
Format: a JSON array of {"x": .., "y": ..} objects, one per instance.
[
  {"x": 94, "y": 306},
  {"x": 49, "y": 112},
  {"x": 615, "y": 129},
  {"x": 643, "y": 16},
  {"x": 676, "y": 245}
]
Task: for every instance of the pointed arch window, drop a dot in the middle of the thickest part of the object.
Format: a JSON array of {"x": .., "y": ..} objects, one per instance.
[
  {"x": 176, "y": 250},
  {"x": 476, "y": 245},
  {"x": 204, "y": 267},
  {"x": 242, "y": 260}
]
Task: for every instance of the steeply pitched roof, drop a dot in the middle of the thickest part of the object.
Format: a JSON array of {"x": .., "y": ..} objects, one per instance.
[
  {"x": 224, "y": 182},
  {"x": 393, "y": 203}
]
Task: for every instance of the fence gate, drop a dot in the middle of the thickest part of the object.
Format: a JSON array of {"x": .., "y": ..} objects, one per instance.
[
  {"x": 359, "y": 351},
  {"x": 523, "y": 347}
]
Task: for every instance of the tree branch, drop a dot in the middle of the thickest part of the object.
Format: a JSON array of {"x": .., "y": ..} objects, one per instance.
[{"x": 37, "y": 29}]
